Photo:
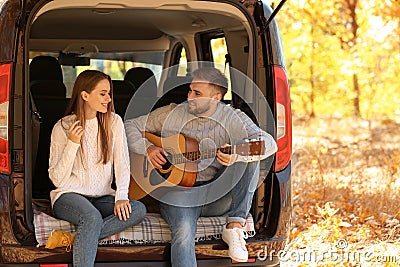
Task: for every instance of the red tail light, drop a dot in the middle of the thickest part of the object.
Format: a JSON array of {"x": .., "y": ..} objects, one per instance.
[
  {"x": 283, "y": 119},
  {"x": 5, "y": 85}
]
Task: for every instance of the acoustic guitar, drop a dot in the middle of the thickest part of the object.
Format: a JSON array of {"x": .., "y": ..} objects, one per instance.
[{"x": 181, "y": 166}]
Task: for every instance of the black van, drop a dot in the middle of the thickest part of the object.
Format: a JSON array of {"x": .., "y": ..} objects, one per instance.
[{"x": 46, "y": 44}]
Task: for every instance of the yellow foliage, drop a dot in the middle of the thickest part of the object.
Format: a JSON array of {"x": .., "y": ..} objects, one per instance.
[{"x": 342, "y": 57}]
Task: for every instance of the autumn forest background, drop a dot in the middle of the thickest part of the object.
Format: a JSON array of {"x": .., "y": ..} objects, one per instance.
[
  {"x": 343, "y": 57},
  {"x": 343, "y": 63}
]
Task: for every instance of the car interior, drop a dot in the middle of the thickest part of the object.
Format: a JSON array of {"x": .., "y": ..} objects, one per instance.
[
  {"x": 115, "y": 31},
  {"x": 64, "y": 37}
]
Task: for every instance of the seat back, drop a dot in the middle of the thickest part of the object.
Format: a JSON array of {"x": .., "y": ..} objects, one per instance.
[
  {"x": 146, "y": 93},
  {"x": 49, "y": 94},
  {"x": 175, "y": 90},
  {"x": 122, "y": 93},
  {"x": 138, "y": 76}
]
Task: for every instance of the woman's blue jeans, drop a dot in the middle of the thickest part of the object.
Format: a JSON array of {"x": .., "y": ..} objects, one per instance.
[
  {"x": 95, "y": 220},
  {"x": 236, "y": 187}
]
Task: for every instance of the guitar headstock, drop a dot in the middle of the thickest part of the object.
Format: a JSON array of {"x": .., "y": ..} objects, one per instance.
[{"x": 251, "y": 147}]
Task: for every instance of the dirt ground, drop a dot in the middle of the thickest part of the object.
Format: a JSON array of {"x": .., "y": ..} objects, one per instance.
[{"x": 346, "y": 188}]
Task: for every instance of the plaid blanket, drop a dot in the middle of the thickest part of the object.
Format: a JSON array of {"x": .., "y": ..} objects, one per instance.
[{"x": 152, "y": 230}]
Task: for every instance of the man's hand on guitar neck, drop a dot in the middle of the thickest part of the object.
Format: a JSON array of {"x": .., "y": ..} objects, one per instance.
[
  {"x": 155, "y": 156},
  {"x": 226, "y": 159}
]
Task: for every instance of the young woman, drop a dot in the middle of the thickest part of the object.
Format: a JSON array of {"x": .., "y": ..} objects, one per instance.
[{"x": 86, "y": 145}]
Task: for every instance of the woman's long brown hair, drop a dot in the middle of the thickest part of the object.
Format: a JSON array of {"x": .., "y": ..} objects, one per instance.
[{"x": 87, "y": 81}]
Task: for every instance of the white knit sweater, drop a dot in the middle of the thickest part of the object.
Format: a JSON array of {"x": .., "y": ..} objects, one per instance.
[{"x": 67, "y": 169}]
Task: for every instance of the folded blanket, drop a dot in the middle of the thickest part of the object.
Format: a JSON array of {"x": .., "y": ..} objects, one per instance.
[{"x": 152, "y": 230}]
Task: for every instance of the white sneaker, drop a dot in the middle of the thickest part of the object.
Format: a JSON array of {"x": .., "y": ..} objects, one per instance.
[{"x": 235, "y": 238}]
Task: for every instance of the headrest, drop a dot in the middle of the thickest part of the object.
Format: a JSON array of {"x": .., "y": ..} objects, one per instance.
[
  {"x": 137, "y": 76},
  {"x": 45, "y": 68},
  {"x": 177, "y": 83},
  {"x": 123, "y": 88}
]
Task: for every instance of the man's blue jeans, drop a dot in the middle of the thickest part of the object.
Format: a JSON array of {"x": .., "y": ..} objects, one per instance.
[
  {"x": 241, "y": 179},
  {"x": 95, "y": 220}
]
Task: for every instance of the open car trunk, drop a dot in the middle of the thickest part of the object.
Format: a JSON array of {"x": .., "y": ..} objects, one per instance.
[{"x": 62, "y": 36}]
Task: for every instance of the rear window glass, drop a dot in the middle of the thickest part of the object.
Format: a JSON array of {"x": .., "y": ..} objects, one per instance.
[{"x": 114, "y": 64}]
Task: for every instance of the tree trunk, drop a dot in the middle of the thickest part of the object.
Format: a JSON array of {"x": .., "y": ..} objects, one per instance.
[
  {"x": 312, "y": 78},
  {"x": 356, "y": 100},
  {"x": 312, "y": 95}
]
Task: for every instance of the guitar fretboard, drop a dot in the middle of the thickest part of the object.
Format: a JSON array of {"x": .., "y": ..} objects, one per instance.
[{"x": 196, "y": 155}]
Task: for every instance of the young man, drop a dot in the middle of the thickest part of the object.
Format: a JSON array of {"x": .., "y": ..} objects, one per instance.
[{"x": 225, "y": 184}]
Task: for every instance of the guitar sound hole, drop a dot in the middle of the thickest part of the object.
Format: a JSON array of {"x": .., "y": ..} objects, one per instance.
[
  {"x": 160, "y": 176},
  {"x": 168, "y": 164}
]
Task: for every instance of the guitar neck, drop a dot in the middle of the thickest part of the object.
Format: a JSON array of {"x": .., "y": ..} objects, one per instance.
[
  {"x": 249, "y": 148},
  {"x": 197, "y": 155}
]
